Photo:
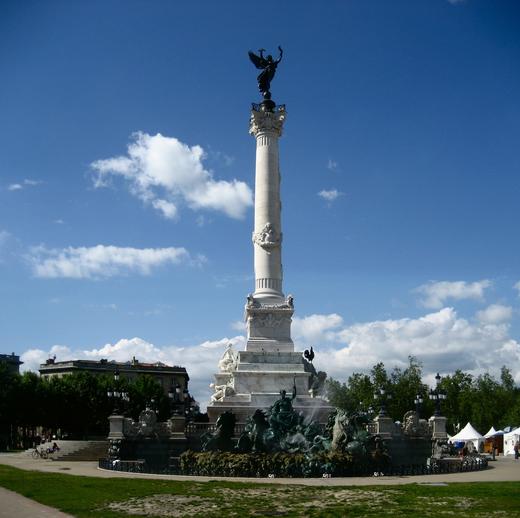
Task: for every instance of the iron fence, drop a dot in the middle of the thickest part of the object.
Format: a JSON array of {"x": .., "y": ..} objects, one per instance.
[{"x": 435, "y": 467}]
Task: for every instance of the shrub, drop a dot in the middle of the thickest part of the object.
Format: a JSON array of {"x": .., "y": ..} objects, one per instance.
[{"x": 279, "y": 464}]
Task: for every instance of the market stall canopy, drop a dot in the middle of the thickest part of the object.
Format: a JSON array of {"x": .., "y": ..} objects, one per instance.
[
  {"x": 492, "y": 432},
  {"x": 468, "y": 433}
]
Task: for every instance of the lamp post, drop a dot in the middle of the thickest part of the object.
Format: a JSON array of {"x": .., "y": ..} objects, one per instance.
[
  {"x": 174, "y": 394},
  {"x": 383, "y": 396},
  {"x": 437, "y": 395},
  {"x": 118, "y": 397},
  {"x": 186, "y": 400},
  {"x": 418, "y": 402}
]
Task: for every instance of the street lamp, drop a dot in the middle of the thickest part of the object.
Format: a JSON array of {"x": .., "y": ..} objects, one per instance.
[
  {"x": 175, "y": 399},
  {"x": 383, "y": 397},
  {"x": 437, "y": 395},
  {"x": 118, "y": 397},
  {"x": 418, "y": 402},
  {"x": 186, "y": 399}
]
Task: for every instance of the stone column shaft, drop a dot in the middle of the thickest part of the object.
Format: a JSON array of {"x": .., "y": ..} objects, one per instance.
[{"x": 267, "y": 236}]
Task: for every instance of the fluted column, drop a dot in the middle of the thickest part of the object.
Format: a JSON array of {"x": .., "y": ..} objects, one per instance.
[{"x": 266, "y": 127}]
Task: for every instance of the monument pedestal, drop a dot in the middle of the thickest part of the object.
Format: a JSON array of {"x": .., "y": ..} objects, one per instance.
[
  {"x": 438, "y": 427},
  {"x": 257, "y": 377},
  {"x": 116, "y": 427},
  {"x": 384, "y": 426}
]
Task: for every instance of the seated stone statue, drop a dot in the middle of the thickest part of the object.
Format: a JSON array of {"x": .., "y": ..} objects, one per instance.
[
  {"x": 221, "y": 391},
  {"x": 228, "y": 361}
]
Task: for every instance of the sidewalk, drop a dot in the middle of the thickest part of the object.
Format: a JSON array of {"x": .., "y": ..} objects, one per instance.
[
  {"x": 503, "y": 469},
  {"x": 17, "y": 505}
]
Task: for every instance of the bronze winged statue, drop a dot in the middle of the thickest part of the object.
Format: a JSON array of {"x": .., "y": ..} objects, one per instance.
[{"x": 268, "y": 67}]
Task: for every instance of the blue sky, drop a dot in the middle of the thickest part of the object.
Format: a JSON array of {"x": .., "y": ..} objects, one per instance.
[{"x": 399, "y": 163}]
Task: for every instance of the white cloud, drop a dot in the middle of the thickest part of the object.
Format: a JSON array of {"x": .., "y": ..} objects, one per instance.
[
  {"x": 315, "y": 328},
  {"x": 332, "y": 165},
  {"x": 441, "y": 340},
  {"x": 164, "y": 172},
  {"x": 201, "y": 361},
  {"x": 26, "y": 183},
  {"x": 168, "y": 209},
  {"x": 436, "y": 293},
  {"x": 495, "y": 314},
  {"x": 330, "y": 196},
  {"x": 103, "y": 261}
]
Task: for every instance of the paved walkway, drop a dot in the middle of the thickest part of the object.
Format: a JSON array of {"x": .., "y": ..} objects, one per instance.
[
  {"x": 17, "y": 505},
  {"x": 503, "y": 469}
]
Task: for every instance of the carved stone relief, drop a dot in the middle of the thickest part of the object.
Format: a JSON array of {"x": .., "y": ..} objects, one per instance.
[
  {"x": 267, "y": 238},
  {"x": 270, "y": 320}
]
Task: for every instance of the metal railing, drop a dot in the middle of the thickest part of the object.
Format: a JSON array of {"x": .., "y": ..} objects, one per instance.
[
  {"x": 257, "y": 107},
  {"x": 198, "y": 429},
  {"x": 440, "y": 466}
]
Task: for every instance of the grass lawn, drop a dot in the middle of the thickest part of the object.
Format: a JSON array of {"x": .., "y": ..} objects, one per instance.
[{"x": 116, "y": 497}]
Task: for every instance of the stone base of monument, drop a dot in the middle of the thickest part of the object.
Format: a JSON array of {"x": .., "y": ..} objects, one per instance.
[
  {"x": 255, "y": 380},
  {"x": 147, "y": 440},
  {"x": 116, "y": 427},
  {"x": 438, "y": 427},
  {"x": 385, "y": 427},
  {"x": 409, "y": 450}
]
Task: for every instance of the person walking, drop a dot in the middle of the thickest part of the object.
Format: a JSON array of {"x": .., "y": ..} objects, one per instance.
[{"x": 517, "y": 449}]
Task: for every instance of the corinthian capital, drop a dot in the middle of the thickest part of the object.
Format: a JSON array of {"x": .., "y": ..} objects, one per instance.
[{"x": 266, "y": 122}]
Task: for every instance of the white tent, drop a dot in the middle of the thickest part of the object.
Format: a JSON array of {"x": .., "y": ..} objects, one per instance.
[
  {"x": 492, "y": 432},
  {"x": 510, "y": 439},
  {"x": 468, "y": 434}
]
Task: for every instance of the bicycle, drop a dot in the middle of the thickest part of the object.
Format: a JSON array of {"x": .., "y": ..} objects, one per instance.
[{"x": 39, "y": 454}]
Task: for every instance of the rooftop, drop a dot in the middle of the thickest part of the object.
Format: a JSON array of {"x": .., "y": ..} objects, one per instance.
[
  {"x": 109, "y": 365},
  {"x": 10, "y": 358}
]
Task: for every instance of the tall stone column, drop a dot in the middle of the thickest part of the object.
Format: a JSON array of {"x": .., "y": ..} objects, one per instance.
[
  {"x": 268, "y": 311},
  {"x": 266, "y": 127}
]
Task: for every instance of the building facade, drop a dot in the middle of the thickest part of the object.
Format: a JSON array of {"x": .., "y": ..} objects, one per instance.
[
  {"x": 12, "y": 361},
  {"x": 166, "y": 375}
]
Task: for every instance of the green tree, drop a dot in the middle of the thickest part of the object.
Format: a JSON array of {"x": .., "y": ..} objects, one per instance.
[{"x": 404, "y": 386}]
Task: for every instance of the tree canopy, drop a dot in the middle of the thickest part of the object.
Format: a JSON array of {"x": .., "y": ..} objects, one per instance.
[
  {"x": 76, "y": 404},
  {"x": 482, "y": 400}
]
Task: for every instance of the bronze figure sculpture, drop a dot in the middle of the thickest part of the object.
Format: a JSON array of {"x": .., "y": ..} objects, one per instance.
[{"x": 268, "y": 66}]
